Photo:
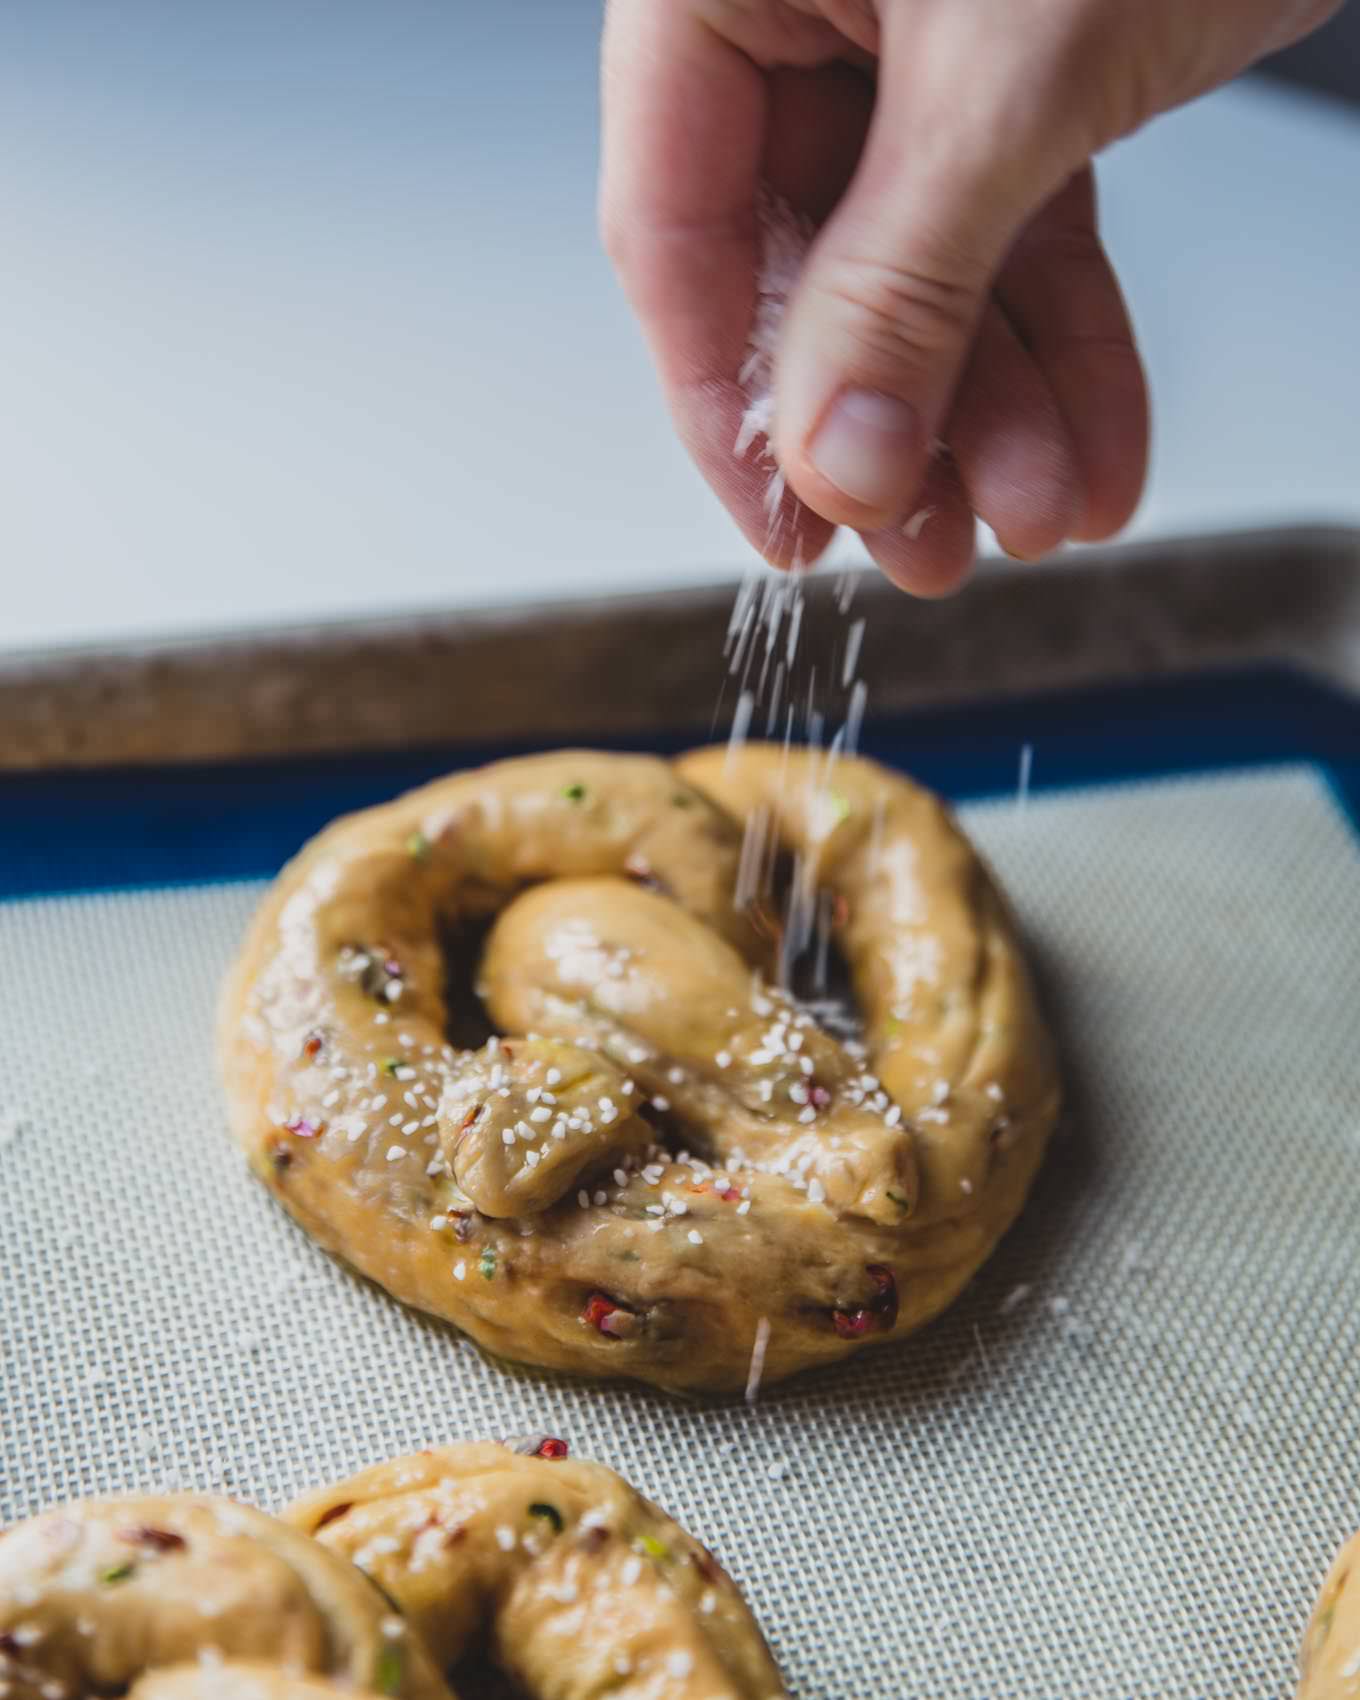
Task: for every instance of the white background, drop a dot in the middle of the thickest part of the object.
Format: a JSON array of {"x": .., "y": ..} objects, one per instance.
[{"x": 302, "y": 314}]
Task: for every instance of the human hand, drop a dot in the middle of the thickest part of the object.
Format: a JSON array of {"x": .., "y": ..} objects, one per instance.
[{"x": 957, "y": 289}]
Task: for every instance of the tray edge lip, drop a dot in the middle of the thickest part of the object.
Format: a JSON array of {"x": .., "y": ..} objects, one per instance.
[
  {"x": 221, "y": 643},
  {"x": 636, "y": 664}
]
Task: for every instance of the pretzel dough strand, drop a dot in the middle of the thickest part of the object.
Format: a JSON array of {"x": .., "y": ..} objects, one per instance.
[
  {"x": 588, "y": 1588},
  {"x": 95, "y": 1594}
]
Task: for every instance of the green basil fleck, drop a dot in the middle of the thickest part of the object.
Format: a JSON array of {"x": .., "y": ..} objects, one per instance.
[
  {"x": 486, "y": 1264},
  {"x": 390, "y": 1668},
  {"x": 117, "y": 1572},
  {"x": 574, "y": 793},
  {"x": 550, "y": 1513},
  {"x": 653, "y": 1547},
  {"x": 418, "y": 847},
  {"x": 898, "y": 1200}
]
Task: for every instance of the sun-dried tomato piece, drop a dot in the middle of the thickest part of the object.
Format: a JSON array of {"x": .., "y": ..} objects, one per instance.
[
  {"x": 598, "y": 1311},
  {"x": 158, "y": 1540},
  {"x": 610, "y": 1318},
  {"x": 886, "y": 1302},
  {"x": 881, "y": 1311}
]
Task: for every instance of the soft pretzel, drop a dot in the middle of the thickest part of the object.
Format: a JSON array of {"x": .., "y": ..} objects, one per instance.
[
  {"x": 1329, "y": 1661},
  {"x": 679, "y": 1171},
  {"x": 585, "y": 1587},
  {"x": 575, "y": 1584},
  {"x": 102, "y": 1596}
]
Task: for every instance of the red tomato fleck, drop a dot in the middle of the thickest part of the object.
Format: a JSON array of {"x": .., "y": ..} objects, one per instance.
[
  {"x": 159, "y": 1540},
  {"x": 551, "y": 1447},
  {"x": 886, "y": 1302},
  {"x": 851, "y": 1324},
  {"x": 598, "y": 1311}
]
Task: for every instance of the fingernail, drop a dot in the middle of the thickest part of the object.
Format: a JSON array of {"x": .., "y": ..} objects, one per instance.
[{"x": 865, "y": 446}]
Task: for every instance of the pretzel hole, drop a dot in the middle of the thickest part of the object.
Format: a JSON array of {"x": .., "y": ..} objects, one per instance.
[{"x": 467, "y": 1027}]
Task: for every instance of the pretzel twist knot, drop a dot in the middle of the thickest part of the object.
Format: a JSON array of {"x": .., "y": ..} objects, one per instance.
[
  {"x": 378, "y": 1586},
  {"x": 661, "y": 1161}
]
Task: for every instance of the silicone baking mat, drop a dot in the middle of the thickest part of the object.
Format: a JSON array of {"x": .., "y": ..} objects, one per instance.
[{"x": 1116, "y": 1468}]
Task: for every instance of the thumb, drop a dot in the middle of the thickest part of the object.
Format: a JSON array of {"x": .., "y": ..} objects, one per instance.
[{"x": 877, "y": 332}]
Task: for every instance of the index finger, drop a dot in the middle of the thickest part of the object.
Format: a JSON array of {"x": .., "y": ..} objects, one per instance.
[{"x": 683, "y": 134}]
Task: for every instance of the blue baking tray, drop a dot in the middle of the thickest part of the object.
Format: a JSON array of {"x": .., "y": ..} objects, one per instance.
[{"x": 118, "y": 828}]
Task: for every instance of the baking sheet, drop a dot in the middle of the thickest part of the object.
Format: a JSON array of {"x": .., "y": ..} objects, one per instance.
[{"x": 1116, "y": 1467}]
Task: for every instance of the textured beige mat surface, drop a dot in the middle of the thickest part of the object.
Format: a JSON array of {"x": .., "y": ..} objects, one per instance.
[{"x": 1114, "y": 1470}]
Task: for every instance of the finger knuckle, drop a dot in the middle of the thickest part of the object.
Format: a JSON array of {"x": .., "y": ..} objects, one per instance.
[{"x": 906, "y": 316}]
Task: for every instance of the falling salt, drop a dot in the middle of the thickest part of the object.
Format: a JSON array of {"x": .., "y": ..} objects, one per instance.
[
  {"x": 853, "y": 639},
  {"x": 741, "y": 720},
  {"x": 775, "y": 684},
  {"x": 757, "y": 1368},
  {"x": 785, "y": 238},
  {"x": 916, "y": 523},
  {"x": 1022, "y": 785},
  {"x": 1133, "y": 1260}
]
